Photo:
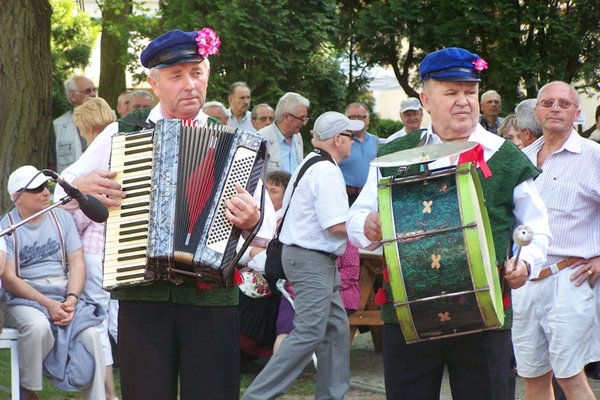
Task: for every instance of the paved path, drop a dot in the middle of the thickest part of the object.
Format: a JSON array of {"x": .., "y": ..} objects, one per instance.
[{"x": 366, "y": 369}]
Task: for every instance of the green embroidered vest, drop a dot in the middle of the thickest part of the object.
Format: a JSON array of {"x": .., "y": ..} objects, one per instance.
[{"x": 510, "y": 167}]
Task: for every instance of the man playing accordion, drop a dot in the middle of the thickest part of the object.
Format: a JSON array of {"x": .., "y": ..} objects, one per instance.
[{"x": 175, "y": 335}]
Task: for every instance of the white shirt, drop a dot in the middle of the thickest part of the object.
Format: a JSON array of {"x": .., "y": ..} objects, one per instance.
[
  {"x": 97, "y": 157},
  {"x": 529, "y": 207},
  {"x": 570, "y": 187},
  {"x": 396, "y": 135},
  {"x": 319, "y": 202}
]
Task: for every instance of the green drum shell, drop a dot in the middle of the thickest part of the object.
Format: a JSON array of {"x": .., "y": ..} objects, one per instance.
[{"x": 440, "y": 254}]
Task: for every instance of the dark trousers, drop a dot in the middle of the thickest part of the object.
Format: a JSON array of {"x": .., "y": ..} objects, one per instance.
[
  {"x": 479, "y": 366},
  {"x": 161, "y": 344}
]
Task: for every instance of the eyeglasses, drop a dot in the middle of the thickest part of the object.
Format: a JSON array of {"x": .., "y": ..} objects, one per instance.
[
  {"x": 303, "y": 119},
  {"x": 38, "y": 189},
  {"x": 89, "y": 90},
  {"x": 562, "y": 103},
  {"x": 358, "y": 116},
  {"x": 266, "y": 118},
  {"x": 351, "y": 136}
]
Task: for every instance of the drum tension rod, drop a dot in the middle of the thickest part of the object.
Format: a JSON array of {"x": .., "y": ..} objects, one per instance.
[
  {"x": 415, "y": 235},
  {"x": 441, "y": 296}
]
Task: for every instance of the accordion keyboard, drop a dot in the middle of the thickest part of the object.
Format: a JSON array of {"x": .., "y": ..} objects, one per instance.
[{"x": 127, "y": 226}]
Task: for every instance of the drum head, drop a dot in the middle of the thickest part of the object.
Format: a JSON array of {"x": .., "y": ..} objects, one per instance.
[
  {"x": 440, "y": 255},
  {"x": 422, "y": 155}
]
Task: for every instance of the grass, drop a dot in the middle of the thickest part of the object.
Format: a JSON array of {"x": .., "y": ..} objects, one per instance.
[
  {"x": 304, "y": 386},
  {"x": 49, "y": 392}
]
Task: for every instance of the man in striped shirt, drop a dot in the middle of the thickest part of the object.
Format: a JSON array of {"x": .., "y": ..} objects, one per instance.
[{"x": 555, "y": 326}]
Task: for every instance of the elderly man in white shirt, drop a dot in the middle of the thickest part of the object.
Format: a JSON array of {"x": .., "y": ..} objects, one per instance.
[{"x": 556, "y": 326}]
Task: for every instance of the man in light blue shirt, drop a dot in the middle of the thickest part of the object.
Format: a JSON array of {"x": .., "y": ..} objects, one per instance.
[
  {"x": 364, "y": 148},
  {"x": 239, "y": 105}
]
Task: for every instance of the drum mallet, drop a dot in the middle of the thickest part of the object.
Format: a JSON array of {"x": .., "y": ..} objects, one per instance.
[{"x": 522, "y": 236}]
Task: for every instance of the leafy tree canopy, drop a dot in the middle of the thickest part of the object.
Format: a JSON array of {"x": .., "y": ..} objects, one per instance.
[
  {"x": 72, "y": 38},
  {"x": 276, "y": 46},
  {"x": 526, "y": 43}
]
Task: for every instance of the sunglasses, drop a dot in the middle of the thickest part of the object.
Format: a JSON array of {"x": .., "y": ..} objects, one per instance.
[
  {"x": 351, "y": 136},
  {"x": 562, "y": 103},
  {"x": 38, "y": 189}
]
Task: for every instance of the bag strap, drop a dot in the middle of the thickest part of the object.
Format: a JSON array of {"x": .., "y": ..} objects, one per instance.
[{"x": 322, "y": 155}]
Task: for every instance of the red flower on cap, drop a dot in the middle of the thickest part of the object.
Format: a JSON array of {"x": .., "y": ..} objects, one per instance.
[
  {"x": 480, "y": 64},
  {"x": 208, "y": 42}
]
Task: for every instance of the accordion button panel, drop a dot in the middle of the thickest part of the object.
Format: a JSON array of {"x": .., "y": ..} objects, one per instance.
[{"x": 126, "y": 239}]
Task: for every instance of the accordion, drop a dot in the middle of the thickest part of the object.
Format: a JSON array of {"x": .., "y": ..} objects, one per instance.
[{"x": 172, "y": 223}]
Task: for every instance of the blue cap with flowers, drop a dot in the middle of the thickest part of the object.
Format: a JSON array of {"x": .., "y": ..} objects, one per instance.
[
  {"x": 179, "y": 47},
  {"x": 452, "y": 64}
]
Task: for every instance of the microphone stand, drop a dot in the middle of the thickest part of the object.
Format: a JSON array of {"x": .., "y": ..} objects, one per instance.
[{"x": 14, "y": 227}]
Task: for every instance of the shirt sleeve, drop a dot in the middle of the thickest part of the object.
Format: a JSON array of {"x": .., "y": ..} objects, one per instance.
[
  {"x": 530, "y": 210},
  {"x": 362, "y": 207},
  {"x": 267, "y": 229},
  {"x": 96, "y": 156},
  {"x": 331, "y": 200},
  {"x": 71, "y": 236}
]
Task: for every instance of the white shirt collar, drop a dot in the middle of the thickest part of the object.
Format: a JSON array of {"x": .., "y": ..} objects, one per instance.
[{"x": 157, "y": 114}]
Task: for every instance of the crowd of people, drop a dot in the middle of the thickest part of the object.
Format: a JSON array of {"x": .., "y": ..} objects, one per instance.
[{"x": 177, "y": 341}]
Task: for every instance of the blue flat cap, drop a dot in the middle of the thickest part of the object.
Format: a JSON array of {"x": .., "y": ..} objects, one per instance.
[
  {"x": 452, "y": 64},
  {"x": 172, "y": 48}
]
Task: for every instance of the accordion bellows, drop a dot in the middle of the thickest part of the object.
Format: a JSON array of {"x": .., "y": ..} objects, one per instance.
[{"x": 172, "y": 222}]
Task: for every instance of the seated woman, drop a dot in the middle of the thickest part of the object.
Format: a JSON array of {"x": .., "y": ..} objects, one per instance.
[{"x": 259, "y": 299}]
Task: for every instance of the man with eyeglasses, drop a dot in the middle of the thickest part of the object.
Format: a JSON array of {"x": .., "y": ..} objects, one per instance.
[
  {"x": 479, "y": 364},
  {"x": 284, "y": 141},
  {"x": 44, "y": 279},
  {"x": 314, "y": 234},
  {"x": 556, "y": 330},
  {"x": 66, "y": 144},
  {"x": 262, "y": 115}
]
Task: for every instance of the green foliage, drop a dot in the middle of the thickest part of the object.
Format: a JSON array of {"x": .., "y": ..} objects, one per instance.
[
  {"x": 526, "y": 43},
  {"x": 275, "y": 46},
  {"x": 72, "y": 37},
  {"x": 384, "y": 127}
]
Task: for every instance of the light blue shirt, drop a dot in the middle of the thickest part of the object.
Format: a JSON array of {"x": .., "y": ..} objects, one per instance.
[
  {"x": 356, "y": 167},
  {"x": 289, "y": 160},
  {"x": 245, "y": 123}
]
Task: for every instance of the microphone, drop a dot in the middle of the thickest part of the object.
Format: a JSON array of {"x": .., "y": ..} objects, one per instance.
[{"x": 89, "y": 205}]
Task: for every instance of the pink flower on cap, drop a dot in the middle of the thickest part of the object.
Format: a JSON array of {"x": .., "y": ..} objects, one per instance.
[
  {"x": 480, "y": 64},
  {"x": 208, "y": 42}
]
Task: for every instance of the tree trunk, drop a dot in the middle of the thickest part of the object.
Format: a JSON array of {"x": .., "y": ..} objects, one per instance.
[
  {"x": 113, "y": 49},
  {"x": 26, "y": 85}
]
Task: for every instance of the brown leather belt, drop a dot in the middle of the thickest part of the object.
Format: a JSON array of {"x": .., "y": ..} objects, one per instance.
[
  {"x": 554, "y": 268},
  {"x": 352, "y": 190}
]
